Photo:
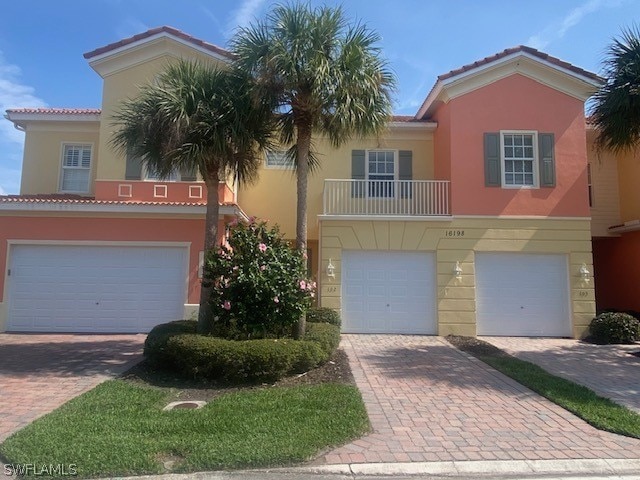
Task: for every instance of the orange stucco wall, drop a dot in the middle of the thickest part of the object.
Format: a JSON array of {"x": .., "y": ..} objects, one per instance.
[
  {"x": 143, "y": 191},
  {"x": 107, "y": 229},
  {"x": 616, "y": 265},
  {"x": 515, "y": 103}
]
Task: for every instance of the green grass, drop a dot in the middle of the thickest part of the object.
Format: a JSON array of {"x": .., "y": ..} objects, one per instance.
[
  {"x": 120, "y": 429},
  {"x": 598, "y": 411}
]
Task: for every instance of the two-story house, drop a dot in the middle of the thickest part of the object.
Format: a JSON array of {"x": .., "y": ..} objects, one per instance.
[{"x": 470, "y": 217}]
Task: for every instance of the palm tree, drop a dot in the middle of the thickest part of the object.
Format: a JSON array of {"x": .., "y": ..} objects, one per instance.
[
  {"x": 197, "y": 118},
  {"x": 616, "y": 111},
  {"x": 324, "y": 76}
]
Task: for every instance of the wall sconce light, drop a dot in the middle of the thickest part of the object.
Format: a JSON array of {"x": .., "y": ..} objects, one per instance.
[
  {"x": 331, "y": 270},
  {"x": 585, "y": 274},
  {"x": 457, "y": 271}
]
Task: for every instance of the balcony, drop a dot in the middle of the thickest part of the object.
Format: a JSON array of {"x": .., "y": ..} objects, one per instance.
[{"x": 413, "y": 198}]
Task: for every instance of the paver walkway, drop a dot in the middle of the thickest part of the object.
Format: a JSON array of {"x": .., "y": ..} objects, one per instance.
[
  {"x": 609, "y": 370},
  {"x": 38, "y": 373},
  {"x": 428, "y": 401}
]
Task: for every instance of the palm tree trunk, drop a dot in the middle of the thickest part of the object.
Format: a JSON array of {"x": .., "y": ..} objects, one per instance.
[
  {"x": 302, "y": 172},
  {"x": 205, "y": 317}
]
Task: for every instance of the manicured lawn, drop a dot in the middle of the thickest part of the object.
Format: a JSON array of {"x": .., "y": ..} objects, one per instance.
[
  {"x": 600, "y": 412},
  {"x": 120, "y": 429}
]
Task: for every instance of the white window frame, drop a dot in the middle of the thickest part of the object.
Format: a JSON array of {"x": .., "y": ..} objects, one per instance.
[
  {"x": 536, "y": 159},
  {"x": 278, "y": 153},
  {"x": 396, "y": 172},
  {"x": 63, "y": 150}
]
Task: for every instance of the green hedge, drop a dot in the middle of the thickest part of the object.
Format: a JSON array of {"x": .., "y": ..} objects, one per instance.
[
  {"x": 613, "y": 327},
  {"x": 176, "y": 345},
  {"x": 323, "y": 315}
]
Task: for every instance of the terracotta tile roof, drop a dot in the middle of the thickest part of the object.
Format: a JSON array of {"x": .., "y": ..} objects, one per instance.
[
  {"x": 521, "y": 48},
  {"x": 57, "y": 111},
  {"x": 407, "y": 118},
  {"x": 78, "y": 199},
  {"x": 154, "y": 31}
]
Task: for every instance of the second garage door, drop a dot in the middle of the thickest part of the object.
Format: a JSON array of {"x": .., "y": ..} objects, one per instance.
[
  {"x": 72, "y": 288},
  {"x": 522, "y": 295},
  {"x": 388, "y": 292}
]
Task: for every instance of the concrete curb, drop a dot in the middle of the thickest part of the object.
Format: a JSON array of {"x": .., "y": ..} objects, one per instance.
[{"x": 580, "y": 468}]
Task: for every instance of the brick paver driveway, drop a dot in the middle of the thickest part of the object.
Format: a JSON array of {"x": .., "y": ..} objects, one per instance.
[
  {"x": 38, "y": 373},
  {"x": 427, "y": 401},
  {"x": 609, "y": 370}
]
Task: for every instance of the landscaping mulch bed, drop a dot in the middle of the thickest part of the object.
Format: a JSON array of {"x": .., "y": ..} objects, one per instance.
[{"x": 336, "y": 370}]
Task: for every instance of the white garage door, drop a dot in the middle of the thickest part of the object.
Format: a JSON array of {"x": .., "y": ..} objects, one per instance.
[
  {"x": 522, "y": 295},
  {"x": 388, "y": 292},
  {"x": 95, "y": 288}
]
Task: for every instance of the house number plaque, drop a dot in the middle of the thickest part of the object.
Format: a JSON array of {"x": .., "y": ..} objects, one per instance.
[{"x": 454, "y": 233}]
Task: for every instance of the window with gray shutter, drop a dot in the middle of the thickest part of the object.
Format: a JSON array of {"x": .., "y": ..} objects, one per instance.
[
  {"x": 547, "y": 160},
  {"x": 405, "y": 172},
  {"x": 492, "y": 173},
  {"x": 133, "y": 169}
]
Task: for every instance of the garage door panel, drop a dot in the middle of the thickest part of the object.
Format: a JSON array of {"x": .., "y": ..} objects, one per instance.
[
  {"x": 522, "y": 295},
  {"x": 396, "y": 293},
  {"x": 95, "y": 288}
]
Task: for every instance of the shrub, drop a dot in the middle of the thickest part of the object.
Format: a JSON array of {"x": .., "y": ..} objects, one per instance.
[
  {"x": 156, "y": 342},
  {"x": 613, "y": 327},
  {"x": 176, "y": 345},
  {"x": 323, "y": 315},
  {"x": 259, "y": 283}
]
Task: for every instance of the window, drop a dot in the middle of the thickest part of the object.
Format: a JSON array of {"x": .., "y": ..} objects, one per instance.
[
  {"x": 381, "y": 173},
  {"x": 589, "y": 185},
  {"x": 519, "y": 164},
  {"x": 278, "y": 159},
  {"x": 76, "y": 168},
  {"x": 152, "y": 175}
]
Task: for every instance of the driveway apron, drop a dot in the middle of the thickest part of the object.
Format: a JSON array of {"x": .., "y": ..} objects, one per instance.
[
  {"x": 427, "y": 401},
  {"x": 38, "y": 373}
]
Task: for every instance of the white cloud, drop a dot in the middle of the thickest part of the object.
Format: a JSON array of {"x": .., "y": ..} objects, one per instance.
[
  {"x": 14, "y": 94},
  {"x": 558, "y": 29},
  {"x": 244, "y": 15}
]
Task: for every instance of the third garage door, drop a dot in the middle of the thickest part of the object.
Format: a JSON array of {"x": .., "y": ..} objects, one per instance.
[{"x": 388, "y": 292}]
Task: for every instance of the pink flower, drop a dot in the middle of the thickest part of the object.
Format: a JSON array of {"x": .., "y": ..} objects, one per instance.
[
  {"x": 226, "y": 305},
  {"x": 252, "y": 219},
  {"x": 276, "y": 300},
  {"x": 262, "y": 247},
  {"x": 303, "y": 285},
  {"x": 263, "y": 268}
]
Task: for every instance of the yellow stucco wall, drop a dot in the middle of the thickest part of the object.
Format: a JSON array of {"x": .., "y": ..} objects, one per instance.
[
  {"x": 628, "y": 178},
  {"x": 123, "y": 84},
  {"x": 456, "y": 298},
  {"x": 42, "y": 161},
  {"x": 273, "y": 197},
  {"x": 605, "y": 210}
]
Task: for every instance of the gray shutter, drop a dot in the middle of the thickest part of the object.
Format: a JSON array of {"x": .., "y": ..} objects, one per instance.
[
  {"x": 547, "y": 160},
  {"x": 405, "y": 172},
  {"x": 188, "y": 175},
  {"x": 134, "y": 168},
  {"x": 492, "y": 170},
  {"x": 358, "y": 163}
]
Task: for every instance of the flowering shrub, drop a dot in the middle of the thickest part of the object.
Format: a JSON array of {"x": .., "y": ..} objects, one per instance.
[{"x": 259, "y": 283}]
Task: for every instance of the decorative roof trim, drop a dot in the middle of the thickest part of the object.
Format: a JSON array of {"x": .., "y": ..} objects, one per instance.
[
  {"x": 499, "y": 59},
  {"x": 154, "y": 34},
  {"x": 21, "y": 115}
]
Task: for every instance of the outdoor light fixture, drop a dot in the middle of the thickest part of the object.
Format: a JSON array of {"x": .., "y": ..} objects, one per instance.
[
  {"x": 457, "y": 271},
  {"x": 331, "y": 270},
  {"x": 584, "y": 272}
]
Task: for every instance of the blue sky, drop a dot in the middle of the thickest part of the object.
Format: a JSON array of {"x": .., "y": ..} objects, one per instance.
[{"x": 42, "y": 42}]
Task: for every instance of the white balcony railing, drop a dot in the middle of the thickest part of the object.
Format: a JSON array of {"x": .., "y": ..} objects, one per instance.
[{"x": 386, "y": 197}]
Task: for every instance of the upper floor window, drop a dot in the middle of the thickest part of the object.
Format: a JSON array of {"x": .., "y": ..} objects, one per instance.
[
  {"x": 519, "y": 159},
  {"x": 381, "y": 168},
  {"x": 278, "y": 159},
  {"x": 175, "y": 176},
  {"x": 589, "y": 185},
  {"x": 76, "y": 168}
]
